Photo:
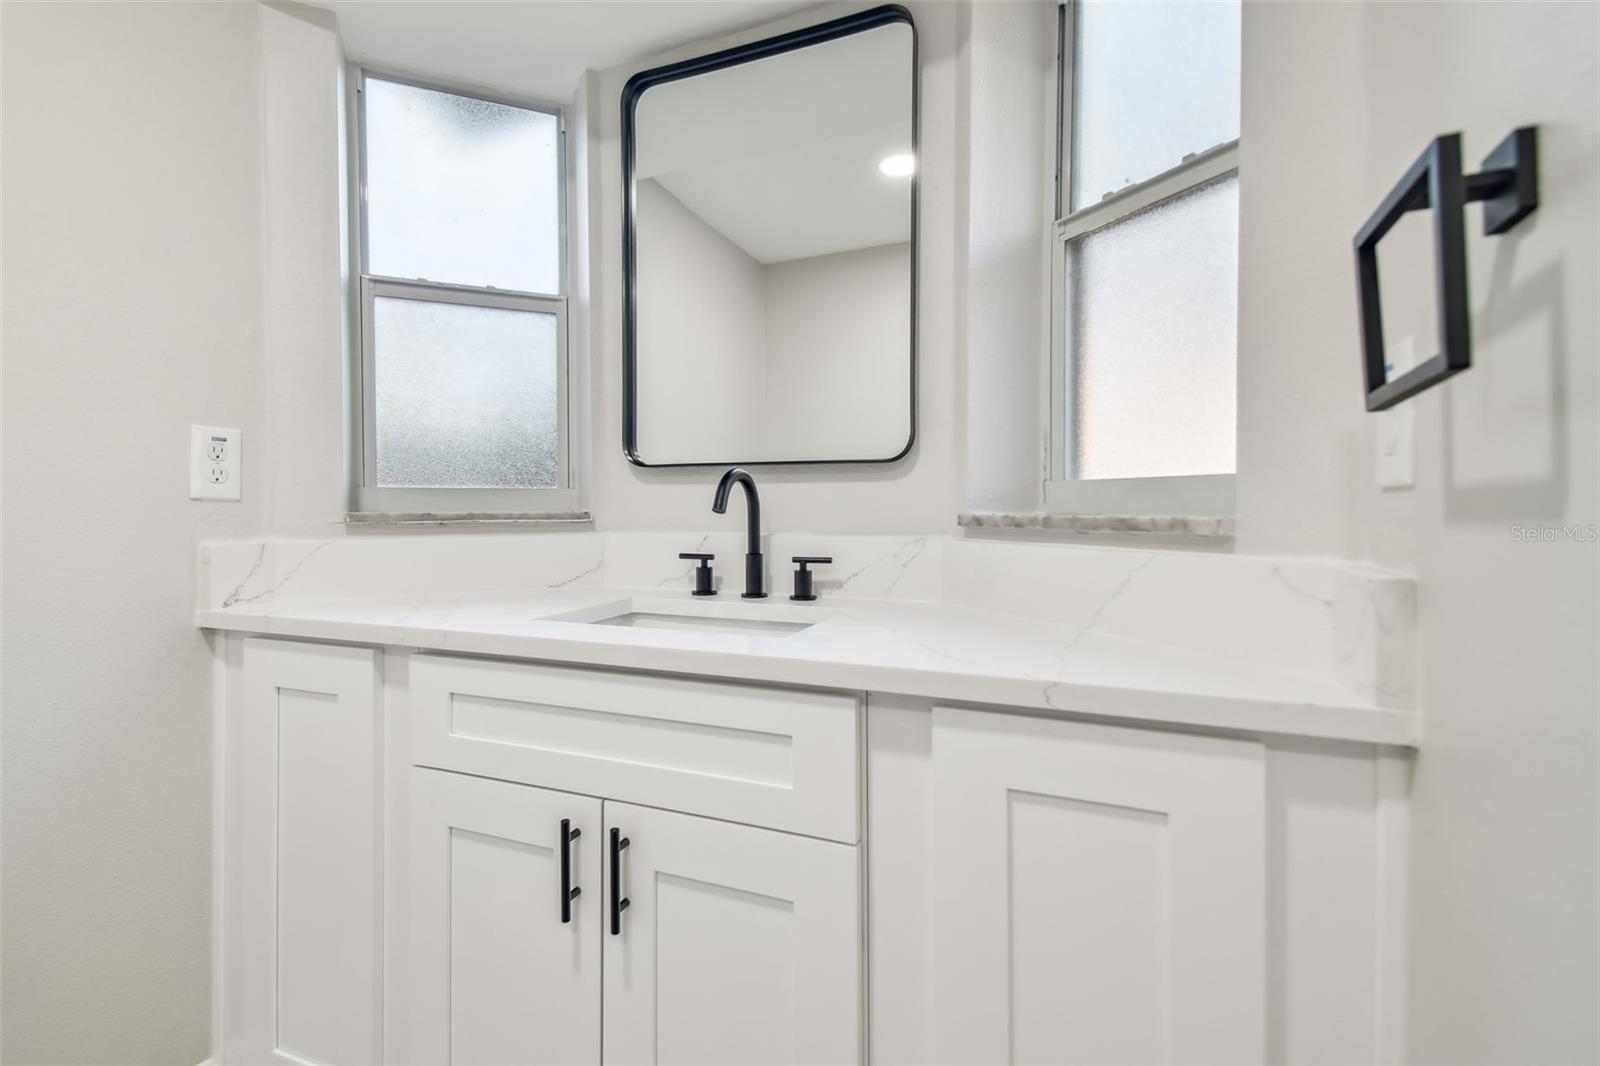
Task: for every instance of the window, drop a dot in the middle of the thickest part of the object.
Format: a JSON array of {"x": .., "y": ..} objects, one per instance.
[
  {"x": 462, "y": 375},
  {"x": 1146, "y": 259}
]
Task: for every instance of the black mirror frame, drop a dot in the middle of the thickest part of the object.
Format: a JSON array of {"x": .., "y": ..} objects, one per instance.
[{"x": 637, "y": 85}]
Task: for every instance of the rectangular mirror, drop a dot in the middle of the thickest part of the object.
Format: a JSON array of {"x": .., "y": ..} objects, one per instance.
[{"x": 771, "y": 249}]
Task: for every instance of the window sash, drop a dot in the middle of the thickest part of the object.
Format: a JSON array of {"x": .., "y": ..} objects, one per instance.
[
  {"x": 359, "y": 78},
  {"x": 1211, "y": 494},
  {"x": 1204, "y": 168},
  {"x": 366, "y": 496},
  {"x": 372, "y": 497}
]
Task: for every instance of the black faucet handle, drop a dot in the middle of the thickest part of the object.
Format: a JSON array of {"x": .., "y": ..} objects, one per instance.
[
  {"x": 804, "y": 587},
  {"x": 702, "y": 573}
]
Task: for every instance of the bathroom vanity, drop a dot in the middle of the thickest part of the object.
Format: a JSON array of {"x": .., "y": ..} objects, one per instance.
[
  {"x": 606, "y": 820},
  {"x": 562, "y": 798}
]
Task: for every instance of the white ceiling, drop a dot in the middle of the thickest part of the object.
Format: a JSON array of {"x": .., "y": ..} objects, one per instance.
[{"x": 535, "y": 48}]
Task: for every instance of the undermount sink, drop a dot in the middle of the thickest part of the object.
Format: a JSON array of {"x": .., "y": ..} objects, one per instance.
[
  {"x": 653, "y": 620},
  {"x": 753, "y": 619}
]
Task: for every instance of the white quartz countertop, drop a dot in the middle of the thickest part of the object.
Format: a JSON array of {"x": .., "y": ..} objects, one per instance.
[{"x": 949, "y": 653}]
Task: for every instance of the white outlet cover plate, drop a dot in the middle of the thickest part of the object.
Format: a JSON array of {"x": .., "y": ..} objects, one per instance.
[
  {"x": 215, "y": 463},
  {"x": 1396, "y": 427}
]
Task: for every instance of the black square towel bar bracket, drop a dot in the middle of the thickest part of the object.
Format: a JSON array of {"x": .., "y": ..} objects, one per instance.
[{"x": 1508, "y": 186}]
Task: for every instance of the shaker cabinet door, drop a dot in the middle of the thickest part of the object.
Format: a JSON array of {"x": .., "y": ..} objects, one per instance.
[
  {"x": 302, "y": 891},
  {"x": 734, "y": 945},
  {"x": 500, "y": 970},
  {"x": 1098, "y": 893}
]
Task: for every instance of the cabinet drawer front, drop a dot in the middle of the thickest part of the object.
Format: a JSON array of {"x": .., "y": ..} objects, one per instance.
[{"x": 771, "y": 757}]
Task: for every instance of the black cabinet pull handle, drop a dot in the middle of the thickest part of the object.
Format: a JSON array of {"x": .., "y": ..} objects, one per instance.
[
  {"x": 569, "y": 891},
  {"x": 619, "y": 902}
]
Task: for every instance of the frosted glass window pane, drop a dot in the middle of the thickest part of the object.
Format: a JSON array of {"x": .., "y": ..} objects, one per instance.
[
  {"x": 461, "y": 190},
  {"x": 466, "y": 396},
  {"x": 1155, "y": 81},
  {"x": 1153, "y": 339}
]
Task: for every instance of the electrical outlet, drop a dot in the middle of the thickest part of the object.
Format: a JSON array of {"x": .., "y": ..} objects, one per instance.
[
  {"x": 214, "y": 463},
  {"x": 1396, "y": 427}
]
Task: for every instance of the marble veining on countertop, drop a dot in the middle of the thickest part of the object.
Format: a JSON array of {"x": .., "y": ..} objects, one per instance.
[{"x": 941, "y": 651}]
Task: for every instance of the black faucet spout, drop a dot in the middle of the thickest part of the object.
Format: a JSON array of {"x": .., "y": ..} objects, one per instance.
[{"x": 754, "y": 564}]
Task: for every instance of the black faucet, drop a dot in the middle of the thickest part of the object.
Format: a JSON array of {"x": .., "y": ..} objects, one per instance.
[{"x": 755, "y": 576}]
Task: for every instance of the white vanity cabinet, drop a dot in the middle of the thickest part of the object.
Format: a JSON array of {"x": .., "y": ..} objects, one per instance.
[
  {"x": 721, "y": 941},
  {"x": 1099, "y": 893},
  {"x": 417, "y": 866},
  {"x": 419, "y": 847}
]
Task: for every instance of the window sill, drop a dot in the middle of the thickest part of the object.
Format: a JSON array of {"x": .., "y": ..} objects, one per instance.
[
  {"x": 1214, "y": 527},
  {"x": 1206, "y": 495},
  {"x": 465, "y": 519}
]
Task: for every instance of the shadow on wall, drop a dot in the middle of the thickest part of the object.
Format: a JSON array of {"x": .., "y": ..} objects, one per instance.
[{"x": 1509, "y": 310}]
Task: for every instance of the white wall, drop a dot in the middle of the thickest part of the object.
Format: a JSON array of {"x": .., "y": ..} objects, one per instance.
[
  {"x": 305, "y": 393},
  {"x": 1007, "y": 114},
  {"x": 131, "y": 248},
  {"x": 171, "y": 253},
  {"x": 702, "y": 301},
  {"x": 1338, "y": 100},
  {"x": 839, "y": 353}
]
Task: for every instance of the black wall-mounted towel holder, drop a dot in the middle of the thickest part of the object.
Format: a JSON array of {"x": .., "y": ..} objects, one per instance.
[{"x": 1508, "y": 185}]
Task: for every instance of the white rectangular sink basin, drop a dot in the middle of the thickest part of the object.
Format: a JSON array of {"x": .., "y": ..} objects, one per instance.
[
  {"x": 716, "y": 616},
  {"x": 651, "y": 620}
]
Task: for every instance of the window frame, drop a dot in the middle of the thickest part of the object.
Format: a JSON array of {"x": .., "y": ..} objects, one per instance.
[
  {"x": 365, "y": 496},
  {"x": 1196, "y": 495}
]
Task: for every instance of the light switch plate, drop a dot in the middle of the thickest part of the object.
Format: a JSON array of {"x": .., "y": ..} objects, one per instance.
[
  {"x": 1396, "y": 427},
  {"x": 214, "y": 463}
]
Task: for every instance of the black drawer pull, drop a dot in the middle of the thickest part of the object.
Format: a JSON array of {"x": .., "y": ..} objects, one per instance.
[
  {"x": 569, "y": 891},
  {"x": 619, "y": 902}
]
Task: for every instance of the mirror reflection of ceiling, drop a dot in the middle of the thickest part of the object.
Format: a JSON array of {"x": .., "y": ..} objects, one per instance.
[{"x": 781, "y": 155}]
